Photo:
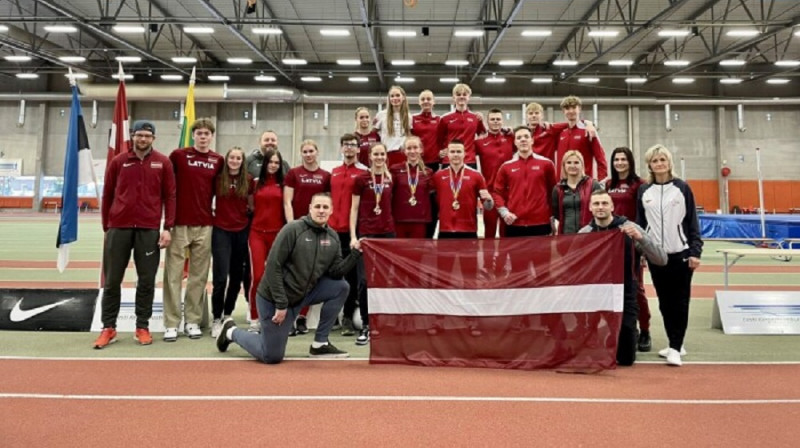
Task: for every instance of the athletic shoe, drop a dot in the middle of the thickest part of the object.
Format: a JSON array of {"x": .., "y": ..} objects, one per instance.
[
  {"x": 193, "y": 331},
  {"x": 363, "y": 336},
  {"x": 170, "y": 334},
  {"x": 222, "y": 339},
  {"x": 327, "y": 351},
  {"x": 107, "y": 336},
  {"x": 645, "y": 344},
  {"x": 665, "y": 352},
  {"x": 216, "y": 327},
  {"x": 293, "y": 333},
  {"x": 143, "y": 337},
  {"x": 255, "y": 326},
  {"x": 347, "y": 327},
  {"x": 674, "y": 358},
  {"x": 301, "y": 325}
]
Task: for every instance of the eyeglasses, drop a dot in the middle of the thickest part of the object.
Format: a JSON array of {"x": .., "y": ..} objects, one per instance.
[
  {"x": 143, "y": 135},
  {"x": 350, "y": 145}
]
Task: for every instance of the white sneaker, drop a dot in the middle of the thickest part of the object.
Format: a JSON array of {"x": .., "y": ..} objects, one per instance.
[
  {"x": 193, "y": 331},
  {"x": 665, "y": 352},
  {"x": 674, "y": 358},
  {"x": 170, "y": 334},
  {"x": 255, "y": 326},
  {"x": 216, "y": 327}
]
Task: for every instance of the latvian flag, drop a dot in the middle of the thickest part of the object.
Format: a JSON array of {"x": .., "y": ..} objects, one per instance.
[{"x": 545, "y": 302}]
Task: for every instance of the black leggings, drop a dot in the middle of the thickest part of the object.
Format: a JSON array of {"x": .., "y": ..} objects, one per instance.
[{"x": 673, "y": 284}]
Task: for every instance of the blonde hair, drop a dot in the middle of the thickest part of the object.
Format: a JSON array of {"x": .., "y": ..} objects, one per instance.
[
  {"x": 461, "y": 87},
  {"x": 387, "y": 177},
  {"x": 424, "y": 92},
  {"x": 404, "y": 111},
  {"x": 651, "y": 153},
  {"x": 420, "y": 162},
  {"x": 310, "y": 142},
  {"x": 567, "y": 155},
  {"x": 360, "y": 109},
  {"x": 533, "y": 107},
  {"x": 570, "y": 101}
]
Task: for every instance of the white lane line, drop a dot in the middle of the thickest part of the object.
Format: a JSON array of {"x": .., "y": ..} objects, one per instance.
[
  {"x": 395, "y": 398},
  {"x": 354, "y": 359}
]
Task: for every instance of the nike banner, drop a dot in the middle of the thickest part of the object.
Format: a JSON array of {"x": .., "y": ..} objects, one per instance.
[
  {"x": 47, "y": 309},
  {"x": 541, "y": 302}
]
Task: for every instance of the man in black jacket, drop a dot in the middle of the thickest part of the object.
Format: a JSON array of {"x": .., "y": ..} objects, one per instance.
[{"x": 304, "y": 267}]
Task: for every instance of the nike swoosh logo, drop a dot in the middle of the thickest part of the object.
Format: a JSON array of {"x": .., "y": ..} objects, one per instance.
[
  {"x": 147, "y": 254},
  {"x": 190, "y": 157},
  {"x": 125, "y": 165},
  {"x": 18, "y": 315}
]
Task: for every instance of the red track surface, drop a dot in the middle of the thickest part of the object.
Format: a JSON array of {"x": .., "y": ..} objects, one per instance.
[{"x": 315, "y": 421}]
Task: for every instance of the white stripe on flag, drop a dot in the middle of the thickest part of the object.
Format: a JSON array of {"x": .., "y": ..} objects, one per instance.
[
  {"x": 86, "y": 173},
  {"x": 494, "y": 302}
]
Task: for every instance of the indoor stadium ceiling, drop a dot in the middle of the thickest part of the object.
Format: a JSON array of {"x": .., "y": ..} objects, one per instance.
[{"x": 367, "y": 45}]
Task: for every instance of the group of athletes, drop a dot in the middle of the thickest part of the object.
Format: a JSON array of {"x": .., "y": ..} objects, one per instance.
[{"x": 402, "y": 175}]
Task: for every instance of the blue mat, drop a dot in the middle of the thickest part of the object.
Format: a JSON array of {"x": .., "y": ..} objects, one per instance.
[{"x": 778, "y": 227}]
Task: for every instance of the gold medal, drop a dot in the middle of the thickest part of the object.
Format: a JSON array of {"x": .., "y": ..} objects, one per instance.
[
  {"x": 412, "y": 201},
  {"x": 377, "y": 210},
  {"x": 456, "y": 205}
]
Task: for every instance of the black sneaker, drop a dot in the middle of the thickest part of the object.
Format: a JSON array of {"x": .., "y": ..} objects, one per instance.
[
  {"x": 327, "y": 351},
  {"x": 347, "y": 327},
  {"x": 363, "y": 336},
  {"x": 222, "y": 338},
  {"x": 293, "y": 333},
  {"x": 645, "y": 344},
  {"x": 301, "y": 325}
]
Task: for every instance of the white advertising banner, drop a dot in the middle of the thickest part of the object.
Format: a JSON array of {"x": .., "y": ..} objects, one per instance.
[{"x": 757, "y": 312}]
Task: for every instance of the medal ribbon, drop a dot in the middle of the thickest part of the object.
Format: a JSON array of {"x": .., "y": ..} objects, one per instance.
[
  {"x": 412, "y": 183},
  {"x": 377, "y": 188},
  {"x": 455, "y": 188}
]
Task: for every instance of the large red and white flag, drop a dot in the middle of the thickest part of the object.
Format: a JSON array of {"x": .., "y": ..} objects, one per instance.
[
  {"x": 545, "y": 302},
  {"x": 119, "y": 140}
]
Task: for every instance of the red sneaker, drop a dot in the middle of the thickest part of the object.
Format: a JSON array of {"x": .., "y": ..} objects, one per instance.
[
  {"x": 107, "y": 336},
  {"x": 143, "y": 337}
]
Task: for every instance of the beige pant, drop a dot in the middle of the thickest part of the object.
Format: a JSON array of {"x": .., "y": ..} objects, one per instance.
[{"x": 196, "y": 242}]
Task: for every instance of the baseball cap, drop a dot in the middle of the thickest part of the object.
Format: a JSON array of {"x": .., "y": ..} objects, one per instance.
[{"x": 143, "y": 125}]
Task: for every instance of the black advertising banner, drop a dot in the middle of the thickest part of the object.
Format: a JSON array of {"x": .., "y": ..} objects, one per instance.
[{"x": 47, "y": 309}]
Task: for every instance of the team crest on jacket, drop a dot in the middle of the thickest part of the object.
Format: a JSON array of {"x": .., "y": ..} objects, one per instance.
[
  {"x": 156, "y": 165},
  {"x": 325, "y": 242}
]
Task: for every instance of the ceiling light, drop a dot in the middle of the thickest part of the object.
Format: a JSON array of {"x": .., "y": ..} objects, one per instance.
[
  {"x": 635, "y": 80},
  {"x": 682, "y": 80},
  {"x": 787, "y": 63},
  {"x": 403, "y": 79},
  {"x": 219, "y": 78},
  {"x": 603, "y": 33},
  {"x": 72, "y": 59},
  {"x": 27, "y": 75},
  {"x": 128, "y": 29},
  {"x": 674, "y": 33},
  {"x": 456, "y": 62},
  {"x": 536, "y": 33},
  {"x": 676, "y": 63},
  {"x": 128, "y": 59},
  {"x": 588, "y": 80},
  {"x": 620, "y": 62},
  {"x": 401, "y": 33},
  {"x": 60, "y": 29},
  {"x": 732, "y": 62},
  {"x": 730, "y": 81},
  {"x": 264, "y": 78},
  {"x": 184, "y": 60},
  {"x": 18, "y": 58},
  {"x": 565, "y": 62},
  {"x": 468, "y": 33},
  {"x": 334, "y": 32},
  {"x": 126, "y": 76},
  {"x": 495, "y": 80},
  {"x": 266, "y": 31},
  {"x": 742, "y": 33},
  {"x": 198, "y": 30},
  {"x": 769, "y": 81},
  {"x": 358, "y": 79},
  {"x": 311, "y": 79},
  {"x": 77, "y": 75},
  {"x": 295, "y": 61},
  {"x": 348, "y": 61},
  {"x": 510, "y": 63},
  {"x": 449, "y": 80},
  {"x": 402, "y": 62},
  {"x": 172, "y": 77},
  {"x": 240, "y": 61},
  {"x": 541, "y": 80}
]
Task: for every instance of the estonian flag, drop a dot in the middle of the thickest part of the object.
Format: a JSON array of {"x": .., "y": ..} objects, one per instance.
[{"x": 78, "y": 170}]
